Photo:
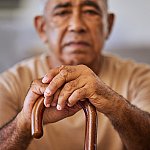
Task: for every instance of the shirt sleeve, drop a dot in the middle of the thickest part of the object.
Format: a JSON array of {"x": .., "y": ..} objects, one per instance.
[
  {"x": 15, "y": 83},
  {"x": 139, "y": 87},
  {"x": 9, "y": 93}
]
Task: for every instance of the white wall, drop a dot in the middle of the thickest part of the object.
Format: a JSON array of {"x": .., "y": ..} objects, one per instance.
[
  {"x": 130, "y": 37},
  {"x": 131, "y": 34}
]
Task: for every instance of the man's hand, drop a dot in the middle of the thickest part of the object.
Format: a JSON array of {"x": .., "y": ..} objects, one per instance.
[
  {"x": 76, "y": 83},
  {"x": 51, "y": 114}
]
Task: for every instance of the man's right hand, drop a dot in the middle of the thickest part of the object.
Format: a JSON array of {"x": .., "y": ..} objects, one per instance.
[{"x": 51, "y": 114}]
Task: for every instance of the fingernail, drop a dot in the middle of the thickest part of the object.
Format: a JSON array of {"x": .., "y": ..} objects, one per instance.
[
  {"x": 47, "y": 105},
  {"x": 45, "y": 102},
  {"x": 58, "y": 107},
  {"x": 45, "y": 79},
  {"x": 48, "y": 91}
]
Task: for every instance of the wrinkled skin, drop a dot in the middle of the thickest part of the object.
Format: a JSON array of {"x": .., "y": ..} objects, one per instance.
[{"x": 76, "y": 83}]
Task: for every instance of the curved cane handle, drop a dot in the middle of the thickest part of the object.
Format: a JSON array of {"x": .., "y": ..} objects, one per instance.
[
  {"x": 91, "y": 122},
  {"x": 37, "y": 118}
]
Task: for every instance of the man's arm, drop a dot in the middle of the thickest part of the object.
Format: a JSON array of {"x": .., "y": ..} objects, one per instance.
[
  {"x": 132, "y": 124},
  {"x": 15, "y": 135}
]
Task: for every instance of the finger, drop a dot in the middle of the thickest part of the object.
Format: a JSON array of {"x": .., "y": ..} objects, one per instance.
[
  {"x": 66, "y": 74},
  {"x": 79, "y": 94},
  {"x": 52, "y": 115},
  {"x": 48, "y": 100},
  {"x": 54, "y": 85},
  {"x": 55, "y": 99},
  {"x": 36, "y": 90},
  {"x": 66, "y": 92},
  {"x": 50, "y": 75}
]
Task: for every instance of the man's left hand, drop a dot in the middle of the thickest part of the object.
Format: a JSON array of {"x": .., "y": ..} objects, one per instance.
[{"x": 74, "y": 83}]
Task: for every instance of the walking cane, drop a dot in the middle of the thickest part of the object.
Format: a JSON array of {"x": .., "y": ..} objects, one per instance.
[{"x": 90, "y": 142}]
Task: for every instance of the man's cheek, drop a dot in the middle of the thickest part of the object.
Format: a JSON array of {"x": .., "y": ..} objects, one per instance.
[{"x": 53, "y": 38}]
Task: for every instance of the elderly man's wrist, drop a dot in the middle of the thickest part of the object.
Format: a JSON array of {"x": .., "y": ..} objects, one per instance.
[
  {"x": 23, "y": 124},
  {"x": 118, "y": 108}
]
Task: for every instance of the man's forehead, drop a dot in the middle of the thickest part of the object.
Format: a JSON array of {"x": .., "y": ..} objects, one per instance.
[
  {"x": 101, "y": 3},
  {"x": 77, "y": 1}
]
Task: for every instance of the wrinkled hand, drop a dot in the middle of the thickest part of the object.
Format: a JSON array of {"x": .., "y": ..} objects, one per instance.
[
  {"x": 73, "y": 83},
  {"x": 51, "y": 114}
]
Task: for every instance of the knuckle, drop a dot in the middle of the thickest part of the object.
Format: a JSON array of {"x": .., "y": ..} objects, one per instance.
[
  {"x": 67, "y": 69},
  {"x": 35, "y": 89},
  {"x": 79, "y": 95},
  {"x": 64, "y": 73},
  {"x": 85, "y": 69},
  {"x": 82, "y": 92},
  {"x": 35, "y": 82},
  {"x": 69, "y": 86},
  {"x": 62, "y": 67},
  {"x": 83, "y": 66}
]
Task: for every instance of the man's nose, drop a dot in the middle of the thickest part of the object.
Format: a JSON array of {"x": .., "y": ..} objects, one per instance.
[{"x": 77, "y": 24}]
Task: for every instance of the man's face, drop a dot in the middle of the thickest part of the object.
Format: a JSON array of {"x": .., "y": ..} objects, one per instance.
[{"x": 76, "y": 29}]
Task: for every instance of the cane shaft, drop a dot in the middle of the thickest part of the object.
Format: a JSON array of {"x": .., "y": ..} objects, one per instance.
[{"x": 91, "y": 122}]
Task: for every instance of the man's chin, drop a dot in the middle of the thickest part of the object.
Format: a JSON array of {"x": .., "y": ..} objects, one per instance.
[{"x": 77, "y": 60}]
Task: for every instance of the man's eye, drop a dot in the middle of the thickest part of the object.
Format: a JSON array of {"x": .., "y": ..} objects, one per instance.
[
  {"x": 62, "y": 13},
  {"x": 91, "y": 12}
]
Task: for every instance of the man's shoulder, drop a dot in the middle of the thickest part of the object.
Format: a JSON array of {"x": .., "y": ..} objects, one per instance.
[
  {"x": 31, "y": 62},
  {"x": 33, "y": 67},
  {"x": 124, "y": 63},
  {"x": 124, "y": 70}
]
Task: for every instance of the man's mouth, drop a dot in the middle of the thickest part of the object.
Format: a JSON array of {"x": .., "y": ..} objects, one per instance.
[{"x": 77, "y": 45}]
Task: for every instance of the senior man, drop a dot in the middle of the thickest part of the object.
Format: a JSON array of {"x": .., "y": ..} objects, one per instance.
[{"x": 74, "y": 69}]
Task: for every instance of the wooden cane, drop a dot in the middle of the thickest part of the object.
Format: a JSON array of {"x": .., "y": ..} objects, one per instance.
[{"x": 90, "y": 142}]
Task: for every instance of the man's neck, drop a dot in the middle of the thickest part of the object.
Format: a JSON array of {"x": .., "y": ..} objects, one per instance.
[
  {"x": 97, "y": 65},
  {"x": 54, "y": 62}
]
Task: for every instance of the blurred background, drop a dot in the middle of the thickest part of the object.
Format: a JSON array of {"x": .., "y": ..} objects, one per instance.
[{"x": 18, "y": 40}]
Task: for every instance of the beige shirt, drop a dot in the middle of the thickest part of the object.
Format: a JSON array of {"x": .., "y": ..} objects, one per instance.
[{"x": 125, "y": 77}]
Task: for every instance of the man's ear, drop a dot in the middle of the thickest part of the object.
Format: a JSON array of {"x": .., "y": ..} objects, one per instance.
[
  {"x": 40, "y": 27},
  {"x": 110, "y": 20}
]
